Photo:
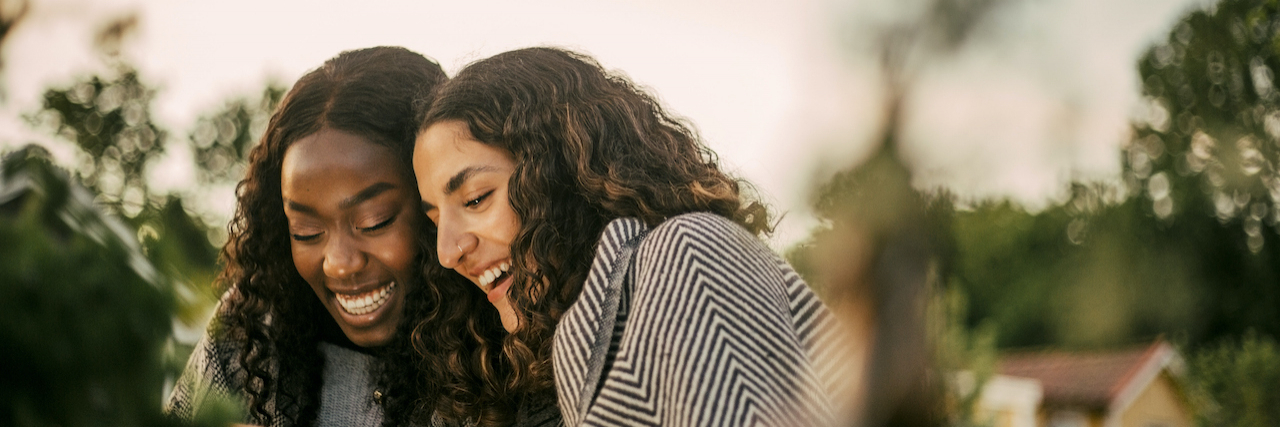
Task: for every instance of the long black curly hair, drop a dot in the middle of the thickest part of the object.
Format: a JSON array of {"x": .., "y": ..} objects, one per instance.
[
  {"x": 590, "y": 146},
  {"x": 270, "y": 310}
]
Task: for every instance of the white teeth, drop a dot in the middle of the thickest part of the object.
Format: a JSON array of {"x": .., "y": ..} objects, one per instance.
[
  {"x": 493, "y": 274},
  {"x": 367, "y": 302}
]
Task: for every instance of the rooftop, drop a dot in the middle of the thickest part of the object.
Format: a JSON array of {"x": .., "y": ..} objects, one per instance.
[{"x": 1091, "y": 379}]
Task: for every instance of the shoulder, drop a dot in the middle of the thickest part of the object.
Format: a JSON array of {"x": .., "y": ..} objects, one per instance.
[
  {"x": 703, "y": 227},
  {"x": 687, "y": 252},
  {"x": 704, "y": 236},
  {"x": 701, "y": 221},
  {"x": 217, "y": 355},
  {"x": 212, "y": 372}
]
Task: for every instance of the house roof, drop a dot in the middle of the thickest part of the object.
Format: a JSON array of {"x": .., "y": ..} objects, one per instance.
[{"x": 1095, "y": 380}]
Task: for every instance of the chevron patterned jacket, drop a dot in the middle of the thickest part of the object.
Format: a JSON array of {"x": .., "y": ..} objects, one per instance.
[{"x": 693, "y": 323}]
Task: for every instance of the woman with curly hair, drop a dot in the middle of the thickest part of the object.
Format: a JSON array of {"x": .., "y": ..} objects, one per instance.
[
  {"x": 324, "y": 257},
  {"x": 626, "y": 266}
]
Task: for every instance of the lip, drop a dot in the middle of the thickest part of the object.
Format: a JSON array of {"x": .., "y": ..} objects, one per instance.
[
  {"x": 372, "y": 317},
  {"x": 499, "y": 292}
]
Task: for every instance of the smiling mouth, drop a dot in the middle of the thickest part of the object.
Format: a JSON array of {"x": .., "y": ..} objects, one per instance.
[
  {"x": 493, "y": 274},
  {"x": 367, "y": 302}
]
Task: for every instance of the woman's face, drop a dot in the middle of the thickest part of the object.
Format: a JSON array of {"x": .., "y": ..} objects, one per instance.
[
  {"x": 353, "y": 225},
  {"x": 464, "y": 191}
]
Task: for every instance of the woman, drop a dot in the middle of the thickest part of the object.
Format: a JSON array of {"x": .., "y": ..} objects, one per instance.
[
  {"x": 618, "y": 254},
  {"x": 324, "y": 258}
]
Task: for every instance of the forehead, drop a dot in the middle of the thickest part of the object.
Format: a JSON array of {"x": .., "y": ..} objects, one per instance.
[
  {"x": 446, "y": 148},
  {"x": 330, "y": 157},
  {"x": 445, "y": 139}
]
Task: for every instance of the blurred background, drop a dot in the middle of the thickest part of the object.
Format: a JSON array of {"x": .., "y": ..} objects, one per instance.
[{"x": 1033, "y": 212}]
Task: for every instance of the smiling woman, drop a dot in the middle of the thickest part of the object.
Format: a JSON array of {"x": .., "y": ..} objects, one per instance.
[
  {"x": 624, "y": 263},
  {"x": 324, "y": 259},
  {"x": 473, "y": 178},
  {"x": 353, "y": 223}
]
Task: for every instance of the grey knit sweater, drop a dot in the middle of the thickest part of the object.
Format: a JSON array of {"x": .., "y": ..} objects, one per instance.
[{"x": 346, "y": 396}]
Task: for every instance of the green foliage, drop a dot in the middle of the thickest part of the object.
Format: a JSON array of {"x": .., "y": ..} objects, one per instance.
[
  {"x": 1235, "y": 382},
  {"x": 222, "y": 140},
  {"x": 1181, "y": 248},
  {"x": 1208, "y": 140},
  {"x": 86, "y": 315},
  {"x": 1078, "y": 277},
  {"x": 109, "y": 119},
  {"x": 1185, "y": 247},
  {"x": 90, "y": 296},
  {"x": 967, "y": 355},
  {"x": 1205, "y": 158}
]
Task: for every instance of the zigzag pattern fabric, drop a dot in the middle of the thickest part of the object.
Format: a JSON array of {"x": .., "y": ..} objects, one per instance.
[{"x": 711, "y": 329}]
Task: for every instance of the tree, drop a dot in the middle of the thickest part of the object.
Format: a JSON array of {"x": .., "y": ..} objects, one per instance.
[
  {"x": 109, "y": 119},
  {"x": 1234, "y": 382},
  {"x": 1179, "y": 249},
  {"x": 87, "y": 315},
  {"x": 92, "y": 278},
  {"x": 1208, "y": 149}
]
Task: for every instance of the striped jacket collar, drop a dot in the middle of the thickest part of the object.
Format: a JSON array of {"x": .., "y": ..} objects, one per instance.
[{"x": 583, "y": 334}]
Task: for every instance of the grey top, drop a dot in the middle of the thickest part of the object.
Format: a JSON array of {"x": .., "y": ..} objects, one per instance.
[
  {"x": 214, "y": 372},
  {"x": 347, "y": 396}
]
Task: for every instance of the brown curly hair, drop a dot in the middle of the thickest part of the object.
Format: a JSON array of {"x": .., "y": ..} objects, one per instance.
[
  {"x": 590, "y": 146},
  {"x": 270, "y": 311}
]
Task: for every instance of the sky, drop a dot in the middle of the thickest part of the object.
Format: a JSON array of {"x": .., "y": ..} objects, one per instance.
[{"x": 786, "y": 92}]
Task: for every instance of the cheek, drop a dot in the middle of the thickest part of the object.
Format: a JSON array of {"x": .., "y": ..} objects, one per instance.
[
  {"x": 306, "y": 260},
  {"x": 507, "y": 222},
  {"x": 310, "y": 265},
  {"x": 399, "y": 252}
]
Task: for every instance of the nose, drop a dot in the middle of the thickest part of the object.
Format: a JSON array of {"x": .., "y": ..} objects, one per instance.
[
  {"x": 342, "y": 257},
  {"x": 452, "y": 247}
]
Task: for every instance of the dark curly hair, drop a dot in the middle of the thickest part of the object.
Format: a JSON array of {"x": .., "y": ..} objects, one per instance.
[
  {"x": 270, "y": 310},
  {"x": 590, "y": 146}
]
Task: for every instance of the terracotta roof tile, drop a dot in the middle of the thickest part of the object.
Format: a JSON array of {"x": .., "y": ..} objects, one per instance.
[{"x": 1090, "y": 379}]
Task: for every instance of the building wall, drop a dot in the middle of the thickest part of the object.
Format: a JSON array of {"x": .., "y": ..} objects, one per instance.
[
  {"x": 1009, "y": 402},
  {"x": 1160, "y": 405},
  {"x": 1069, "y": 417}
]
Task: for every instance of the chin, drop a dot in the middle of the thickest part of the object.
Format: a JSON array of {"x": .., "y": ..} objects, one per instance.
[
  {"x": 369, "y": 339},
  {"x": 509, "y": 321}
]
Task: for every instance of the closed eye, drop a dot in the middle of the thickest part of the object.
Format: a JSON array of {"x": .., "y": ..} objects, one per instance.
[
  {"x": 304, "y": 237},
  {"x": 477, "y": 200},
  {"x": 380, "y": 225}
]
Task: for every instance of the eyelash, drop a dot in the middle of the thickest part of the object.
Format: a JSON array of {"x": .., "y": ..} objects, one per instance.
[
  {"x": 380, "y": 225},
  {"x": 477, "y": 200},
  {"x": 375, "y": 227},
  {"x": 302, "y": 238}
]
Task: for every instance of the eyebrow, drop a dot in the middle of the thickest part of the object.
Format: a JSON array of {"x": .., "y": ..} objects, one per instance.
[
  {"x": 462, "y": 176},
  {"x": 361, "y": 197},
  {"x": 456, "y": 182}
]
